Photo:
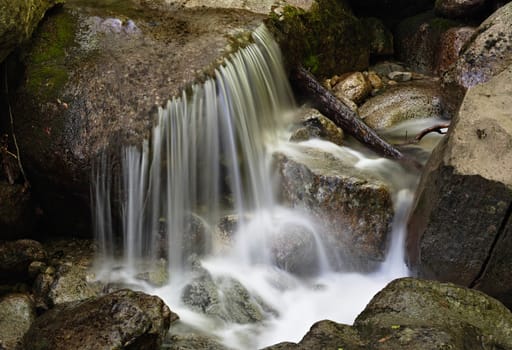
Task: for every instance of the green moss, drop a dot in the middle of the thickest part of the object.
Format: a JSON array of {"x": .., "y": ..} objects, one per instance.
[
  {"x": 328, "y": 39},
  {"x": 46, "y": 63}
]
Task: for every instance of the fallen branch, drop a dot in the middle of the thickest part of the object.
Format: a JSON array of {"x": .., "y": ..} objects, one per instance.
[
  {"x": 435, "y": 128},
  {"x": 344, "y": 117}
]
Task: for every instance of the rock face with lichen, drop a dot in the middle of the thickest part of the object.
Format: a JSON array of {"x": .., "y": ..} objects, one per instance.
[
  {"x": 488, "y": 53},
  {"x": 459, "y": 228},
  {"x": 18, "y": 19},
  {"x": 93, "y": 79}
]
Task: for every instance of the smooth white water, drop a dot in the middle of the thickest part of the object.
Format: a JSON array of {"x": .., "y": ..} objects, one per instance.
[{"x": 209, "y": 155}]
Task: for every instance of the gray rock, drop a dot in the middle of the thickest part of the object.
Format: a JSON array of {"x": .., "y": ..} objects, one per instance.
[
  {"x": 16, "y": 257},
  {"x": 193, "y": 342},
  {"x": 411, "y": 100},
  {"x": 259, "y": 6},
  {"x": 333, "y": 193},
  {"x": 18, "y": 20},
  {"x": 120, "y": 320},
  {"x": 488, "y": 53},
  {"x": 400, "y": 76},
  {"x": 17, "y": 313},
  {"x": 94, "y": 77},
  {"x": 17, "y": 211},
  {"x": 460, "y": 8},
  {"x": 458, "y": 226},
  {"x": 70, "y": 284},
  {"x": 313, "y": 124}
]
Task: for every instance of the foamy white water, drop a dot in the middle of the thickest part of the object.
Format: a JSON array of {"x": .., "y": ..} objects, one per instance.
[{"x": 210, "y": 155}]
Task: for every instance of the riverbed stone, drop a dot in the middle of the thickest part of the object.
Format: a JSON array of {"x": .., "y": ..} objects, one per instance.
[
  {"x": 94, "y": 77},
  {"x": 354, "y": 86},
  {"x": 333, "y": 193},
  {"x": 488, "y": 53},
  {"x": 450, "y": 45},
  {"x": 410, "y": 100},
  {"x": 459, "y": 223},
  {"x": 17, "y": 313},
  {"x": 122, "y": 320},
  {"x": 313, "y": 124},
  {"x": 18, "y": 20}
]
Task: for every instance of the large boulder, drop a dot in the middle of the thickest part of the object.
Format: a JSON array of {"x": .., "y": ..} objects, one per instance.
[
  {"x": 93, "y": 75},
  {"x": 18, "y": 20},
  {"x": 353, "y": 207},
  {"x": 416, "y": 314},
  {"x": 120, "y": 320},
  {"x": 17, "y": 313},
  {"x": 488, "y": 53},
  {"x": 458, "y": 228}
]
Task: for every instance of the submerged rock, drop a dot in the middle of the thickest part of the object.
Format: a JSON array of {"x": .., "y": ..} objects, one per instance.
[
  {"x": 120, "y": 320},
  {"x": 459, "y": 227},
  {"x": 334, "y": 194},
  {"x": 406, "y": 101},
  {"x": 18, "y": 20},
  {"x": 224, "y": 298},
  {"x": 17, "y": 313},
  {"x": 93, "y": 79},
  {"x": 488, "y": 53}
]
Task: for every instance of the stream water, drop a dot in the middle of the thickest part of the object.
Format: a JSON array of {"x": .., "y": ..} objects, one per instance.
[{"x": 210, "y": 156}]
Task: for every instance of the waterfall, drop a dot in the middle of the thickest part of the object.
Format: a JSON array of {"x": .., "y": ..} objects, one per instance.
[{"x": 208, "y": 156}]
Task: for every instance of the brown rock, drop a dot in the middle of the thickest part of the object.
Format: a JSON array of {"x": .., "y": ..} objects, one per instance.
[
  {"x": 355, "y": 87},
  {"x": 450, "y": 44}
]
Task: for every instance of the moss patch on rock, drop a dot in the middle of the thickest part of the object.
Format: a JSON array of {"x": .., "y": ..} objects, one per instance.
[{"x": 327, "y": 40}]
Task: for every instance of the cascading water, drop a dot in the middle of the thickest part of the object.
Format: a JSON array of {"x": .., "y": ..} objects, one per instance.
[{"x": 208, "y": 157}]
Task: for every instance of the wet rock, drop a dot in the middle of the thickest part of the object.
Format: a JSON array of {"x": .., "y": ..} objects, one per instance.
[
  {"x": 450, "y": 44},
  {"x": 406, "y": 101},
  {"x": 121, "y": 320},
  {"x": 258, "y": 6},
  {"x": 355, "y": 87},
  {"x": 375, "y": 80},
  {"x": 193, "y": 342},
  {"x": 488, "y": 53},
  {"x": 459, "y": 8},
  {"x": 327, "y": 39},
  {"x": 224, "y": 298},
  {"x": 333, "y": 192},
  {"x": 313, "y": 124},
  {"x": 417, "y": 40},
  {"x": 416, "y": 314},
  {"x": 17, "y": 313},
  {"x": 17, "y": 211},
  {"x": 381, "y": 42},
  {"x": 16, "y": 257},
  {"x": 400, "y": 76},
  {"x": 385, "y": 67},
  {"x": 467, "y": 183},
  {"x": 93, "y": 79},
  {"x": 18, "y": 21},
  {"x": 70, "y": 284}
]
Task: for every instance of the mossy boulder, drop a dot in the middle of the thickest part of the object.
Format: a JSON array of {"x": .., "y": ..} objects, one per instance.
[
  {"x": 95, "y": 73},
  {"x": 328, "y": 39},
  {"x": 18, "y": 19}
]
